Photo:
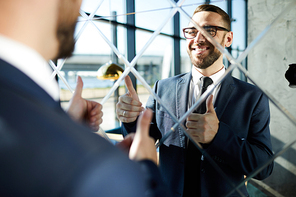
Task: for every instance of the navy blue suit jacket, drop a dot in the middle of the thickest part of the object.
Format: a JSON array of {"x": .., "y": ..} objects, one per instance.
[
  {"x": 241, "y": 145},
  {"x": 44, "y": 153}
]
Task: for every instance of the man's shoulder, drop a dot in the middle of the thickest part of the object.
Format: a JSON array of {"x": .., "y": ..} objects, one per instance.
[
  {"x": 245, "y": 84},
  {"x": 244, "y": 87}
]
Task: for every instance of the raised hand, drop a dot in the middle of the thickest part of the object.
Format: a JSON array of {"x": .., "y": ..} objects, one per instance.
[
  {"x": 129, "y": 106},
  {"x": 143, "y": 146},
  {"x": 83, "y": 110},
  {"x": 203, "y": 127}
]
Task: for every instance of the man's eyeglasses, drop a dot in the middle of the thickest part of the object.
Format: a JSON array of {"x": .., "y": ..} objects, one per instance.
[{"x": 191, "y": 32}]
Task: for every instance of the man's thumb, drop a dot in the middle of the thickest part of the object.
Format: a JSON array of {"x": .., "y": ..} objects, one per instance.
[
  {"x": 144, "y": 123},
  {"x": 210, "y": 106},
  {"x": 79, "y": 86},
  {"x": 131, "y": 88}
]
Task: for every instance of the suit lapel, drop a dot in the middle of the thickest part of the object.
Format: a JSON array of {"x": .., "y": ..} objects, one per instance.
[
  {"x": 224, "y": 95},
  {"x": 182, "y": 91}
]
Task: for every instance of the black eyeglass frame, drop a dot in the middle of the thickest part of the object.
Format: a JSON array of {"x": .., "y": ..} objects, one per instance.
[{"x": 205, "y": 27}]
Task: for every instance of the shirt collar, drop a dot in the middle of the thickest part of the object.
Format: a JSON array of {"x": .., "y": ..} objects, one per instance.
[
  {"x": 30, "y": 63},
  {"x": 196, "y": 76}
]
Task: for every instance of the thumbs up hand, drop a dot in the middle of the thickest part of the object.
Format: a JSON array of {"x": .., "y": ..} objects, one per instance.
[
  {"x": 129, "y": 106},
  {"x": 203, "y": 127},
  {"x": 143, "y": 146},
  {"x": 82, "y": 110}
]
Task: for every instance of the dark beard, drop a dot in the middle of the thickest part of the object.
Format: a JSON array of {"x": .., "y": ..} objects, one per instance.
[
  {"x": 209, "y": 60},
  {"x": 65, "y": 35}
]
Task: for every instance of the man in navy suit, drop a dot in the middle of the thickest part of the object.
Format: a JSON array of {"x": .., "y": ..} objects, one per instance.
[
  {"x": 233, "y": 131},
  {"x": 43, "y": 150}
]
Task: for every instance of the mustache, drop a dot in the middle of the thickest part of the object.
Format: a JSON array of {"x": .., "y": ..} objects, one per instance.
[{"x": 200, "y": 44}]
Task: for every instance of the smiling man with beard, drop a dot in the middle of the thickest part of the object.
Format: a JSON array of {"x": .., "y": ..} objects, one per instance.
[
  {"x": 43, "y": 152},
  {"x": 233, "y": 129}
]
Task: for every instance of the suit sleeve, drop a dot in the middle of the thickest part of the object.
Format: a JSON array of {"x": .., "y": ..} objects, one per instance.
[
  {"x": 133, "y": 180},
  {"x": 155, "y": 185},
  {"x": 245, "y": 153},
  {"x": 127, "y": 128}
]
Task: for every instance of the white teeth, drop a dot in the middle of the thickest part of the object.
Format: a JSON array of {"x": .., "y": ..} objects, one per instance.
[{"x": 203, "y": 49}]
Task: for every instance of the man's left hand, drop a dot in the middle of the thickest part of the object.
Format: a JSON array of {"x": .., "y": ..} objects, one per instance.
[{"x": 83, "y": 110}]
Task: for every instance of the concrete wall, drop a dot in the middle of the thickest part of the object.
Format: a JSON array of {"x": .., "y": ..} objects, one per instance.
[{"x": 267, "y": 64}]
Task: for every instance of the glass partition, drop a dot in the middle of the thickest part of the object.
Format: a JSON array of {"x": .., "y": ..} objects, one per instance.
[{"x": 253, "y": 62}]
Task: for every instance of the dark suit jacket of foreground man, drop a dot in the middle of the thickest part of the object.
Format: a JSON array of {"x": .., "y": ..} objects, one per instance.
[
  {"x": 241, "y": 145},
  {"x": 44, "y": 153}
]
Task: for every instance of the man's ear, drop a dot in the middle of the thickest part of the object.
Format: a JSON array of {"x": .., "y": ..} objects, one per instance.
[{"x": 228, "y": 39}]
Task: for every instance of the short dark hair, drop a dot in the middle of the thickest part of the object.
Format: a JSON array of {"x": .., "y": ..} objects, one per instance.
[{"x": 213, "y": 8}]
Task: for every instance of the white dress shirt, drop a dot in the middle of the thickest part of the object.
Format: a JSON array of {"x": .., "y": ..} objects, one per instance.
[
  {"x": 30, "y": 63},
  {"x": 196, "y": 85}
]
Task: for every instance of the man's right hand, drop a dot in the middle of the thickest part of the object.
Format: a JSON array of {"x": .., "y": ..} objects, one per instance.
[
  {"x": 143, "y": 146},
  {"x": 129, "y": 106}
]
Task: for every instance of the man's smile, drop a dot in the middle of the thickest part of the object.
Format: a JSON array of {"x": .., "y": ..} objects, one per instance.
[{"x": 199, "y": 49}]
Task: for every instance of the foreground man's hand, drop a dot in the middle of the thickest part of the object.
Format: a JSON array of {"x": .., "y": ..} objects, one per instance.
[
  {"x": 82, "y": 110},
  {"x": 143, "y": 146}
]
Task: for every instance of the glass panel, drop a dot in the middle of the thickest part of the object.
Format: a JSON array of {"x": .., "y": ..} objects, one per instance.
[
  {"x": 148, "y": 14},
  {"x": 158, "y": 56},
  {"x": 267, "y": 64},
  {"x": 238, "y": 26},
  {"x": 90, "y": 41}
]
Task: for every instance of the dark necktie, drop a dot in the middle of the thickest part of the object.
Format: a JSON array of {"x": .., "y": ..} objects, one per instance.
[
  {"x": 193, "y": 155},
  {"x": 206, "y": 81}
]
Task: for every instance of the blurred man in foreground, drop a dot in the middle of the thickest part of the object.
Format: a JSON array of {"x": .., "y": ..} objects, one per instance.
[{"x": 43, "y": 151}]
